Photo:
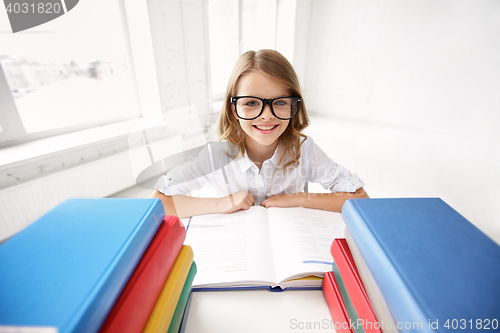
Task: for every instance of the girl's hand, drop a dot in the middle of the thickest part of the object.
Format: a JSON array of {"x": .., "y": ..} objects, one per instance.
[
  {"x": 326, "y": 201},
  {"x": 241, "y": 200},
  {"x": 281, "y": 200}
]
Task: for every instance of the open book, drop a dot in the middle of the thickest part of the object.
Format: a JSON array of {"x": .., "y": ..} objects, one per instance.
[{"x": 275, "y": 248}]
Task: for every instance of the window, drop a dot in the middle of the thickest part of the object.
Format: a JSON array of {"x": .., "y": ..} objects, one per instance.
[
  {"x": 234, "y": 28},
  {"x": 223, "y": 33},
  {"x": 71, "y": 73}
]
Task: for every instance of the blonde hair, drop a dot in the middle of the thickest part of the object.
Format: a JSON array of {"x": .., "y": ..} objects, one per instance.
[{"x": 276, "y": 66}]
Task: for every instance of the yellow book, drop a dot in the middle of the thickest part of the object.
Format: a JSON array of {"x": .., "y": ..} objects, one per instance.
[{"x": 163, "y": 312}]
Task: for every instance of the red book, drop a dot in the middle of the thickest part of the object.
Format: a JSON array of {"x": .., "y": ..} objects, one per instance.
[
  {"x": 336, "y": 304},
  {"x": 355, "y": 288},
  {"x": 137, "y": 300}
]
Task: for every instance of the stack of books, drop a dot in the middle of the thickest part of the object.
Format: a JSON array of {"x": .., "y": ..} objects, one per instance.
[
  {"x": 345, "y": 293},
  {"x": 90, "y": 265},
  {"x": 412, "y": 265}
]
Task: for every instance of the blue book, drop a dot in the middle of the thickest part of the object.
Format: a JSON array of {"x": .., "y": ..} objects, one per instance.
[
  {"x": 66, "y": 269},
  {"x": 436, "y": 271}
]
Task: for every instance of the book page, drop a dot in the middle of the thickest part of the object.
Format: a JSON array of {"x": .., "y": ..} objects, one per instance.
[
  {"x": 302, "y": 239},
  {"x": 230, "y": 249}
]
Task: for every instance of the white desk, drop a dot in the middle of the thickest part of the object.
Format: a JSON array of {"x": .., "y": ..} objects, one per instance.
[{"x": 258, "y": 311}]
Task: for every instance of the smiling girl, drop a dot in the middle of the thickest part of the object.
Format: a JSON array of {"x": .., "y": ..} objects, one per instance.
[{"x": 264, "y": 115}]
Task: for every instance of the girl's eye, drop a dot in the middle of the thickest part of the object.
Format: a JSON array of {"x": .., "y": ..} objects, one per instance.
[
  {"x": 280, "y": 102},
  {"x": 253, "y": 103}
]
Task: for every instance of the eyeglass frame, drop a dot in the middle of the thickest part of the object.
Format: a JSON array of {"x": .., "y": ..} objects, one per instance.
[{"x": 265, "y": 101}]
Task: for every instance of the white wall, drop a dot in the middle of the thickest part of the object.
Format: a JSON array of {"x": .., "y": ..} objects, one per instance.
[
  {"x": 422, "y": 81},
  {"x": 258, "y": 25},
  {"x": 179, "y": 30},
  {"x": 224, "y": 41},
  {"x": 428, "y": 65}
]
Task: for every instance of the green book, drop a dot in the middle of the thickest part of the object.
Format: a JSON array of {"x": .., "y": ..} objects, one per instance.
[
  {"x": 181, "y": 305},
  {"x": 351, "y": 311}
]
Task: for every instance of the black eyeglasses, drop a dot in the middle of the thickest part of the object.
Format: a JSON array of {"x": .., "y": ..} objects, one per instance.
[{"x": 250, "y": 107}]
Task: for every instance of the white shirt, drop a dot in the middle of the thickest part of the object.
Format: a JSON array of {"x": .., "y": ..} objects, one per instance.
[{"x": 242, "y": 174}]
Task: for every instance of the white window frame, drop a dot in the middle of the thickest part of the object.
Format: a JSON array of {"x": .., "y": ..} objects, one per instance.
[
  {"x": 140, "y": 61},
  {"x": 10, "y": 121},
  {"x": 284, "y": 40}
]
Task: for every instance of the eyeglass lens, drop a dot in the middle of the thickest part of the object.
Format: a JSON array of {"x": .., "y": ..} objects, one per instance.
[{"x": 249, "y": 107}]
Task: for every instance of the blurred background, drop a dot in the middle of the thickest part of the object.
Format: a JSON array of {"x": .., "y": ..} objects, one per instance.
[{"x": 404, "y": 93}]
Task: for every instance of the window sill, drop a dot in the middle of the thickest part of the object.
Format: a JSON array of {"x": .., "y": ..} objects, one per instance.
[
  {"x": 24, "y": 152},
  {"x": 39, "y": 158}
]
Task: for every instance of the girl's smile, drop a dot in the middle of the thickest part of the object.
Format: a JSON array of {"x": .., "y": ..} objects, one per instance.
[{"x": 266, "y": 129}]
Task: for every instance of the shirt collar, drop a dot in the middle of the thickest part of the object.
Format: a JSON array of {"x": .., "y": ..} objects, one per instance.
[
  {"x": 246, "y": 163},
  {"x": 274, "y": 159}
]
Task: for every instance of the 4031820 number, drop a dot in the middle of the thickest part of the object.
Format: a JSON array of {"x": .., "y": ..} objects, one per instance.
[
  {"x": 40, "y": 8},
  {"x": 478, "y": 324}
]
